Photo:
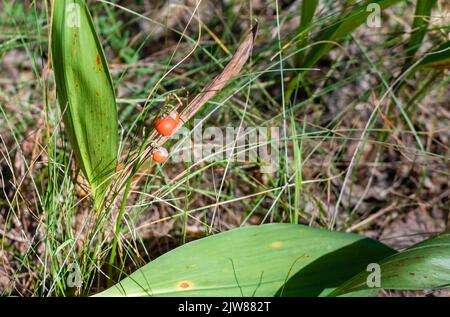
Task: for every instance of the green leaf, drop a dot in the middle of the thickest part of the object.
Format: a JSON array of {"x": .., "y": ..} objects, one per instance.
[
  {"x": 437, "y": 59},
  {"x": 85, "y": 93},
  {"x": 420, "y": 25},
  {"x": 423, "y": 266},
  {"x": 255, "y": 261}
]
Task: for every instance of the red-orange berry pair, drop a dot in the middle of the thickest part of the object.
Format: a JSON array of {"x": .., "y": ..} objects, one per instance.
[{"x": 165, "y": 125}]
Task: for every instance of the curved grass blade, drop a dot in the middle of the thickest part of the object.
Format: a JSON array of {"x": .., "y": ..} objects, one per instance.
[
  {"x": 85, "y": 93},
  {"x": 255, "y": 261},
  {"x": 437, "y": 59},
  {"x": 424, "y": 266}
]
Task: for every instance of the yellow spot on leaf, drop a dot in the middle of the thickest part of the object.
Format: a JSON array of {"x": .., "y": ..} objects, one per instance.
[{"x": 276, "y": 244}]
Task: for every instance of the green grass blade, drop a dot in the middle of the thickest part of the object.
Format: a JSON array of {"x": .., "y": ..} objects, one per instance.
[
  {"x": 255, "y": 261},
  {"x": 423, "y": 266},
  {"x": 342, "y": 28},
  {"x": 298, "y": 150},
  {"x": 85, "y": 93},
  {"x": 437, "y": 59},
  {"x": 308, "y": 10},
  {"x": 329, "y": 35},
  {"x": 307, "y": 13},
  {"x": 420, "y": 24}
]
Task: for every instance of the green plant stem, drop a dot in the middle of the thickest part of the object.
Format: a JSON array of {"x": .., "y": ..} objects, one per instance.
[{"x": 112, "y": 256}]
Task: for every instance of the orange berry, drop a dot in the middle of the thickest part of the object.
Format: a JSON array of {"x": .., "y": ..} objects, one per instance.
[
  {"x": 160, "y": 155},
  {"x": 167, "y": 124}
]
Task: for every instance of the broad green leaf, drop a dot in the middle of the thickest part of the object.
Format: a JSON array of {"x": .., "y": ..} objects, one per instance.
[
  {"x": 85, "y": 93},
  {"x": 437, "y": 59},
  {"x": 255, "y": 261},
  {"x": 423, "y": 266},
  {"x": 420, "y": 24}
]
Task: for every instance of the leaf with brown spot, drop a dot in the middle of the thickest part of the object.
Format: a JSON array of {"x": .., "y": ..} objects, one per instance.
[
  {"x": 244, "y": 262},
  {"x": 85, "y": 93}
]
